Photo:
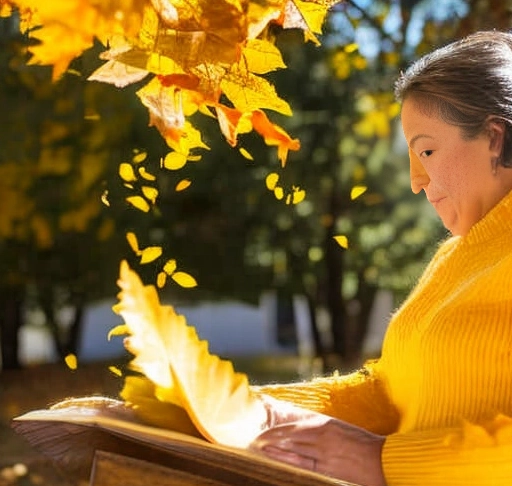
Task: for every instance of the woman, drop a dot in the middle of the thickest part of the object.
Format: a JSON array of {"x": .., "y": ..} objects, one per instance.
[{"x": 436, "y": 408}]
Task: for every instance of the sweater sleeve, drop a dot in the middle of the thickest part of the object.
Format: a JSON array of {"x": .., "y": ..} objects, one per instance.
[
  {"x": 470, "y": 454},
  {"x": 359, "y": 398}
]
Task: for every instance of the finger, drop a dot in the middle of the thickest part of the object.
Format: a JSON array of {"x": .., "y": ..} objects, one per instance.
[{"x": 290, "y": 457}]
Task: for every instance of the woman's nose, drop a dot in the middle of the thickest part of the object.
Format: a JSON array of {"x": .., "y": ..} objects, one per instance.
[{"x": 419, "y": 177}]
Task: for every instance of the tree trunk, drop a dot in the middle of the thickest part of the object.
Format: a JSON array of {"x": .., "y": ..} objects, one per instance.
[{"x": 11, "y": 320}]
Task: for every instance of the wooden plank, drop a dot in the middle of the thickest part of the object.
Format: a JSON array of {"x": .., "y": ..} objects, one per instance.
[{"x": 111, "y": 469}]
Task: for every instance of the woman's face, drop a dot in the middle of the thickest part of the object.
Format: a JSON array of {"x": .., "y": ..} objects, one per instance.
[{"x": 455, "y": 173}]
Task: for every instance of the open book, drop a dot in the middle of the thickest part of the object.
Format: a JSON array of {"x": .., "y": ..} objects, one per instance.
[{"x": 72, "y": 431}]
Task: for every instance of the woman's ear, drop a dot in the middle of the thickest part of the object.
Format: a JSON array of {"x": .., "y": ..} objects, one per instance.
[{"x": 496, "y": 131}]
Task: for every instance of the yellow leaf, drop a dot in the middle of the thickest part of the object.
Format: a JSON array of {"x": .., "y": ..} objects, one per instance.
[
  {"x": 357, "y": 191},
  {"x": 115, "y": 370},
  {"x": 104, "y": 198},
  {"x": 182, "y": 185},
  {"x": 298, "y": 195},
  {"x": 170, "y": 267},
  {"x": 120, "y": 330},
  {"x": 342, "y": 240},
  {"x": 271, "y": 181},
  {"x": 146, "y": 175},
  {"x": 150, "y": 254},
  {"x": 246, "y": 154},
  {"x": 249, "y": 92},
  {"x": 175, "y": 160},
  {"x": 161, "y": 278},
  {"x": 279, "y": 193},
  {"x": 262, "y": 56},
  {"x": 126, "y": 172},
  {"x": 132, "y": 241},
  {"x": 150, "y": 193},
  {"x": 184, "y": 280},
  {"x": 140, "y": 394},
  {"x": 139, "y": 157},
  {"x": 71, "y": 361},
  {"x": 139, "y": 202},
  {"x": 218, "y": 401}
]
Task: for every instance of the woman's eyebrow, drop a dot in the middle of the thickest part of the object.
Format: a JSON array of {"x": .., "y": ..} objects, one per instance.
[{"x": 416, "y": 137}]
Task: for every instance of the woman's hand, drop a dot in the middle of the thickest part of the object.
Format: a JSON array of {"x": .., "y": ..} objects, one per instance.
[{"x": 327, "y": 446}]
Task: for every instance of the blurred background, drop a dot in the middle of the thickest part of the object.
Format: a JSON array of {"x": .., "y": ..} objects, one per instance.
[{"x": 273, "y": 282}]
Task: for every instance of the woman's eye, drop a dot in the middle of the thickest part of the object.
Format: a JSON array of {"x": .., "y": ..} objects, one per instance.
[{"x": 426, "y": 153}]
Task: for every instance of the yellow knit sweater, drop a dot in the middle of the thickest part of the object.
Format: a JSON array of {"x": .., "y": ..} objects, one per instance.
[{"x": 442, "y": 390}]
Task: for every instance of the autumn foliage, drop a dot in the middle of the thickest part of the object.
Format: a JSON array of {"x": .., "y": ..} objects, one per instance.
[{"x": 198, "y": 56}]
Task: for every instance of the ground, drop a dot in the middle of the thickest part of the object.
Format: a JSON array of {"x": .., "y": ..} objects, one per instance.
[
  {"x": 39, "y": 386},
  {"x": 34, "y": 388}
]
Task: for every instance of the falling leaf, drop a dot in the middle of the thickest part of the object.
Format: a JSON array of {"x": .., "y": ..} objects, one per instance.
[
  {"x": 145, "y": 174},
  {"x": 357, "y": 191},
  {"x": 298, "y": 195},
  {"x": 170, "y": 267},
  {"x": 115, "y": 370},
  {"x": 182, "y": 185},
  {"x": 342, "y": 240},
  {"x": 150, "y": 254},
  {"x": 184, "y": 280},
  {"x": 174, "y": 160},
  {"x": 279, "y": 193},
  {"x": 271, "y": 181},
  {"x": 161, "y": 278},
  {"x": 274, "y": 135},
  {"x": 71, "y": 361},
  {"x": 246, "y": 154},
  {"x": 104, "y": 198},
  {"x": 150, "y": 193},
  {"x": 139, "y": 202},
  {"x": 132, "y": 241},
  {"x": 120, "y": 330},
  {"x": 139, "y": 157},
  {"x": 126, "y": 172}
]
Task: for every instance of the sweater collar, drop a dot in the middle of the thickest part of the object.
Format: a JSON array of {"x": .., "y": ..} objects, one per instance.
[{"x": 496, "y": 223}]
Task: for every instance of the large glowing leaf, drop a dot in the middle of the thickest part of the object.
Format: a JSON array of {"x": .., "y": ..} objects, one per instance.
[{"x": 218, "y": 400}]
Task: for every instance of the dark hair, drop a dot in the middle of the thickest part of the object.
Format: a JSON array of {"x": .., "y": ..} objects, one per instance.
[{"x": 465, "y": 83}]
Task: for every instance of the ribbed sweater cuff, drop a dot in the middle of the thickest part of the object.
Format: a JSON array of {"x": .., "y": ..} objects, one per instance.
[{"x": 430, "y": 458}]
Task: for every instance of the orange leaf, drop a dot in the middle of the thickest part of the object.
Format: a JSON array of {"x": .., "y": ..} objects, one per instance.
[
  {"x": 274, "y": 135},
  {"x": 182, "y": 185}
]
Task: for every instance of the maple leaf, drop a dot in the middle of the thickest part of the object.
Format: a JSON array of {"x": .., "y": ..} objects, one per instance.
[
  {"x": 249, "y": 92},
  {"x": 218, "y": 400},
  {"x": 201, "y": 31},
  {"x": 307, "y": 15}
]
